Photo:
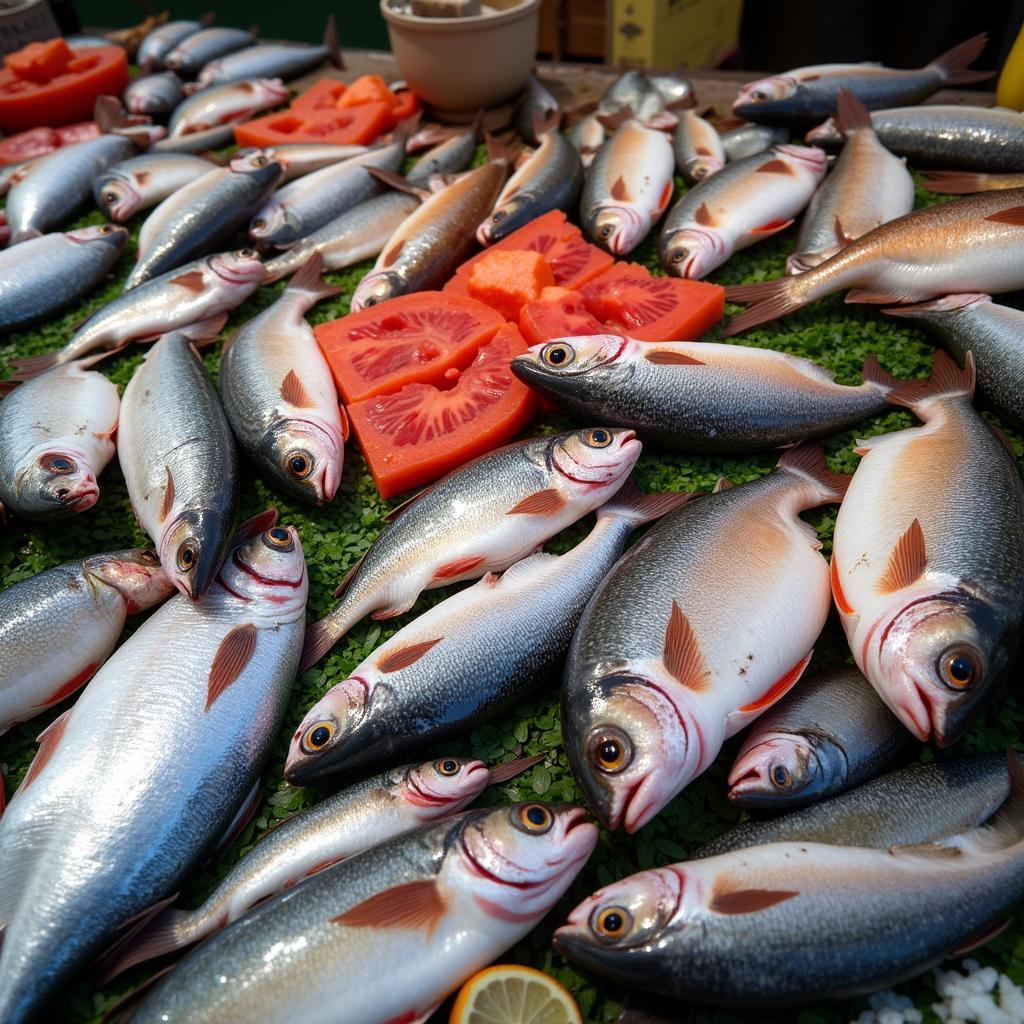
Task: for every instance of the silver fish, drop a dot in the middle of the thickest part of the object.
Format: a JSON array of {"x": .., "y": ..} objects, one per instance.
[
  {"x": 425, "y": 911},
  {"x": 301, "y": 158},
  {"x": 448, "y": 156},
  {"x": 144, "y": 181},
  {"x": 674, "y": 91},
  {"x": 158, "y": 43},
  {"x": 133, "y": 785},
  {"x": 225, "y": 104},
  {"x": 197, "y": 49},
  {"x": 697, "y": 147},
  {"x": 43, "y": 275},
  {"x": 197, "y": 142},
  {"x": 535, "y": 107},
  {"x": 179, "y": 463},
  {"x": 588, "y": 135},
  {"x": 156, "y": 94},
  {"x": 635, "y": 95},
  {"x": 56, "y": 436},
  {"x": 751, "y": 139},
  {"x": 279, "y": 395},
  {"x": 830, "y": 733}
]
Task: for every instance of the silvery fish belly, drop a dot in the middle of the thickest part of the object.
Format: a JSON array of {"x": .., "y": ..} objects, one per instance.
[
  {"x": 189, "y": 55},
  {"x": 929, "y": 582},
  {"x": 224, "y": 104},
  {"x": 425, "y": 911},
  {"x": 111, "y": 817},
  {"x": 702, "y": 626},
  {"x": 751, "y": 139},
  {"x": 143, "y": 181}
]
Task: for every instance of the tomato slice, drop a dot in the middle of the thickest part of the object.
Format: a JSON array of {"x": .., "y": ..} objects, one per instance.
[
  {"x": 51, "y": 84},
  {"x": 367, "y": 89},
  {"x": 505, "y": 280},
  {"x": 414, "y": 338},
  {"x": 629, "y": 300},
  {"x": 558, "y": 313},
  {"x": 406, "y": 104},
  {"x": 322, "y": 95},
  {"x": 80, "y": 132},
  {"x": 416, "y": 435}
]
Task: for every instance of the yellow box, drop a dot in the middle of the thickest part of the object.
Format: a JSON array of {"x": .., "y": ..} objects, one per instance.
[{"x": 667, "y": 34}]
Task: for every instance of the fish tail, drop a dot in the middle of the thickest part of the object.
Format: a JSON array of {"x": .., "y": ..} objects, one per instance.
[
  {"x": 807, "y": 460},
  {"x": 955, "y": 183},
  {"x": 873, "y": 374},
  {"x": 636, "y": 508},
  {"x": 33, "y": 366},
  {"x": 954, "y": 65},
  {"x": 331, "y": 43},
  {"x": 309, "y": 284},
  {"x": 947, "y": 380},
  {"x": 321, "y": 636},
  {"x": 851, "y": 114},
  {"x": 500, "y": 149},
  {"x": 163, "y": 933},
  {"x": 205, "y": 332},
  {"x": 769, "y": 300}
]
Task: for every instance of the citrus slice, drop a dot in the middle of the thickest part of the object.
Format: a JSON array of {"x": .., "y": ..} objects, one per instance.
[{"x": 511, "y": 994}]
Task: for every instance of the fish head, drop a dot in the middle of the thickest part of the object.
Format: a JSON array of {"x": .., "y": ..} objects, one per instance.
[
  {"x": 512, "y": 214},
  {"x": 377, "y": 287},
  {"x": 136, "y": 574},
  {"x": 701, "y": 167},
  {"x": 119, "y": 198},
  {"x": 592, "y": 463},
  {"x": 248, "y": 158},
  {"x": 268, "y": 567},
  {"x": 761, "y": 96},
  {"x": 694, "y": 252},
  {"x": 264, "y": 170},
  {"x": 55, "y": 482},
  {"x": 570, "y": 357},
  {"x": 242, "y": 269},
  {"x": 824, "y": 134},
  {"x": 305, "y": 458},
  {"x": 99, "y": 234},
  {"x": 192, "y": 549},
  {"x": 780, "y": 770},
  {"x": 438, "y": 788},
  {"x": 270, "y": 220},
  {"x": 268, "y": 90},
  {"x": 617, "y": 229}
]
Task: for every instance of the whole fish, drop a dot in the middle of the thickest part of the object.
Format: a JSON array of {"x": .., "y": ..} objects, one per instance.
[
  {"x": 144, "y": 181},
  {"x": 916, "y": 804},
  {"x": 199, "y": 294},
  {"x": 90, "y": 597},
  {"x": 299, "y": 158},
  {"x": 269, "y": 60},
  {"x": 179, "y": 462},
  {"x": 434, "y": 239},
  {"x": 968, "y": 182},
  {"x": 674, "y": 91},
  {"x": 161, "y": 41},
  {"x": 930, "y": 587},
  {"x": 829, "y": 734},
  {"x": 588, "y": 135},
  {"x": 751, "y": 139},
  {"x": 480, "y": 518},
  {"x": 225, "y": 104},
  {"x": 279, "y": 394},
  {"x": 627, "y": 188},
  {"x": 157, "y": 94},
  {"x": 805, "y": 95},
  {"x": 191, "y": 54},
  {"x": 700, "y": 396},
  {"x": 424, "y": 911},
  {"x": 43, "y": 275},
  {"x": 353, "y": 820},
  {"x": 842, "y": 920},
  {"x": 746, "y": 202},
  {"x": 868, "y": 186},
  {"x": 635, "y": 95},
  {"x": 201, "y": 216},
  {"x": 704, "y": 624},
  {"x": 535, "y": 108},
  {"x": 697, "y": 147},
  {"x": 468, "y": 658},
  {"x": 550, "y": 179},
  {"x": 975, "y": 244},
  {"x": 56, "y": 436},
  {"x": 974, "y": 323},
  {"x": 133, "y": 785}
]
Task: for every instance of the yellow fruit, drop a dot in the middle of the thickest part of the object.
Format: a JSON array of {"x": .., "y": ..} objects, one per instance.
[
  {"x": 1010, "y": 88},
  {"x": 510, "y": 994}
]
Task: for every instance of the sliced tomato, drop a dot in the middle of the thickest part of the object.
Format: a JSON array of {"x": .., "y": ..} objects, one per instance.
[
  {"x": 406, "y": 104},
  {"x": 353, "y": 126},
  {"x": 558, "y": 313},
  {"x": 457, "y": 285},
  {"x": 48, "y": 83},
  {"x": 322, "y": 95},
  {"x": 367, "y": 89},
  {"x": 506, "y": 279},
  {"x": 414, "y": 338},
  {"x": 629, "y": 300},
  {"x": 80, "y": 132},
  {"x": 417, "y": 434}
]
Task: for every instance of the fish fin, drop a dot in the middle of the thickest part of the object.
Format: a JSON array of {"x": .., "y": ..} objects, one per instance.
[
  {"x": 778, "y": 689},
  {"x": 525, "y": 568},
  {"x": 663, "y": 121},
  {"x": 983, "y": 938},
  {"x": 48, "y": 740},
  {"x": 841, "y": 236},
  {"x": 388, "y": 258},
  {"x": 541, "y": 503},
  {"x": 807, "y": 459},
  {"x": 393, "y": 513},
  {"x": 801, "y": 262},
  {"x": 935, "y": 850},
  {"x": 202, "y": 334},
  {"x": 954, "y": 65},
  {"x": 954, "y": 183},
  {"x": 193, "y": 280},
  {"x": 630, "y": 504},
  {"x": 398, "y": 182},
  {"x": 772, "y": 227},
  {"x": 294, "y": 392},
  {"x": 775, "y": 166},
  {"x": 851, "y": 114},
  {"x": 947, "y": 380},
  {"x": 320, "y": 637},
  {"x": 403, "y": 657},
  {"x": 392, "y": 611},
  {"x": 252, "y": 528},
  {"x": 347, "y": 578},
  {"x": 668, "y": 357},
  {"x": 1011, "y": 215},
  {"x": 769, "y": 301},
  {"x": 682, "y": 656},
  {"x": 907, "y": 563},
  {"x": 30, "y": 367},
  {"x": 346, "y": 426},
  {"x": 721, "y": 484},
  {"x": 872, "y": 373},
  {"x": 725, "y": 899},
  {"x": 122, "y": 1009},
  {"x": 109, "y": 114},
  {"x": 168, "y": 501},
  {"x": 229, "y": 662},
  {"x": 7, "y": 386},
  {"x": 331, "y": 43},
  {"x": 497, "y": 149},
  {"x": 510, "y": 769},
  {"x": 704, "y": 216},
  {"x": 153, "y": 937},
  {"x": 245, "y": 813},
  {"x": 617, "y": 119},
  {"x": 837, "y": 588},
  {"x": 414, "y": 905},
  {"x": 448, "y": 571},
  {"x": 307, "y": 279},
  {"x": 870, "y": 298},
  {"x": 620, "y": 190}
]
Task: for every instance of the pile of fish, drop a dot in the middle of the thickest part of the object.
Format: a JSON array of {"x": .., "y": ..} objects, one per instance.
[{"x": 664, "y": 649}]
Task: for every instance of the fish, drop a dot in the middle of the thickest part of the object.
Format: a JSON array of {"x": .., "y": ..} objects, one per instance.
[
  {"x": 808, "y": 94},
  {"x": 627, "y": 188},
  {"x": 144, "y": 181},
  {"x": 12, "y": 173},
  {"x": 697, "y": 147},
  {"x": 744, "y": 203},
  {"x": 162, "y": 40},
  {"x": 480, "y": 518},
  {"x": 450, "y": 155},
  {"x": 425, "y": 911},
  {"x": 751, "y": 139},
  {"x": 828, "y": 734},
  {"x": 56, "y": 437},
  {"x": 551, "y": 178},
  {"x": 967, "y": 138},
  {"x": 588, "y": 135},
  {"x": 929, "y": 585},
  {"x": 675, "y": 92},
  {"x": 199, "y": 217},
  {"x": 634, "y": 95},
  {"x": 225, "y": 104},
  {"x": 273, "y": 60},
  {"x": 191, "y": 54},
  {"x": 340, "y": 826},
  {"x": 59, "y": 626},
  {"x": 179, "y": 462},
  {"x": 705, "y": 623},
  {"x": 435, "y": 238},
  {"x": 844, "y": 920},
  {"x": 868, "y": 186},
  {"x": 300, "y": 158},
  {"x": 468, "y": 658},
  {"x": 279, "y": 395},
  {"x": 981, "y": 237},
  {"x": 974, "y": 323},
  {"x": 43, "y": 275},
  {"x": 968, "y": 183},
  {"x": 199, "y": 293},
  {"x": 135, "y": 783},
  {"x": 157, "y": 94},
  {"x": 197, "y": 142},
  {"x": 535, "y": 108},
  {"x": 700, "y": 396}
]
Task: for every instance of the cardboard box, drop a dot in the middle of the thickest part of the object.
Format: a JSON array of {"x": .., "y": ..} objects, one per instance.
[{"x": 667, "y": 34}]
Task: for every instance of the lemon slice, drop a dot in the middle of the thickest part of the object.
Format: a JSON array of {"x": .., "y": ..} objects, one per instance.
[{"x": 511, "y": 994}]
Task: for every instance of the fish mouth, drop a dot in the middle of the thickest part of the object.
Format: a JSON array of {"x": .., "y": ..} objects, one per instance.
[
  {"x": 916, "y": 710},
  {"x": 627, "y": 444},
  {"x": 82, "y": 497},
  {"x": 269, "y": 581}
]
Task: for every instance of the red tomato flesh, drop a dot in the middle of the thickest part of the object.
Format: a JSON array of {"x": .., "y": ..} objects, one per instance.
[{"x": 558, "y": 313}]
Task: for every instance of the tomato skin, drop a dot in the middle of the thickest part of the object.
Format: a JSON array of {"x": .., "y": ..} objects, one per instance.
[
  {"x": 418, "y": 434},
  {"x": 558, "y": 313}
]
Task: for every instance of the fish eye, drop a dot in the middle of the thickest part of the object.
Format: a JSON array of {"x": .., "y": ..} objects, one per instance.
[
  {"x": 960, "y": 667},
  {"x": 105, "y": 229},
  {"x": 534, "y": 819},
  {"x": 260, "y": 161},
  {"x": 150, "y": 557},
  {"x": 259, "y": 224},
  {"x": 780, "y": 776},
  {"x": 606, "y": 231},
  {"x": 246, "y": 254},
  {"x": 278, "y": 539},
  {"x": 447, "y": 766},
  {"x": 110, "y": 198},
  {"x": 557, "y": 355},
  {"x": 759, "y": 94},
  {"x": 187, "y": 555},
  {"x": 498, "y": 216},
  {"x": 610, "y": 750},
  {"x": 318, "y": 735},
  {"x": 59, "y": 464},
  {"x": 678, "y": 255},
  {"x": 611, "y": 922},
  {"x": 299, "y": 463},
  {"x": 597, "y": 438}
]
